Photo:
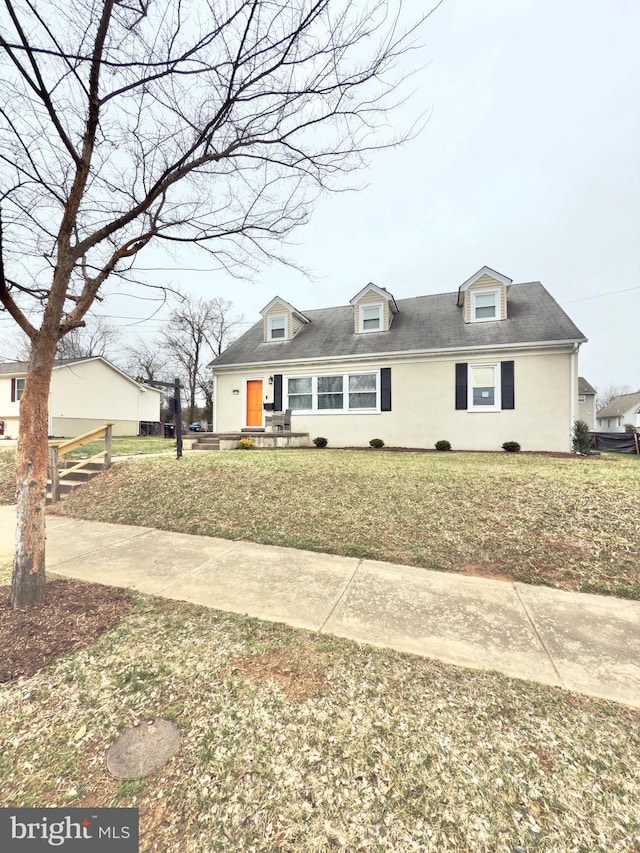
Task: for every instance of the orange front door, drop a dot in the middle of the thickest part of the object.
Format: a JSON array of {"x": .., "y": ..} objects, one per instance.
[{"x": 254, "y": 403}]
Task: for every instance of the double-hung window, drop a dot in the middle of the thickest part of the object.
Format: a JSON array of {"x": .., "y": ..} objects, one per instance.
[
  {"x": 277, "y": 328},
  {"x": 17, "y": 390},
  {"x": 300, "y": 393},
  {"x": 371, "y": 318},
  {"x": 484, "y": 390},
  {"x": 484, "y": 305},
  {"x": 330, "y": 392},
  {"x": 363, "y": 389}
]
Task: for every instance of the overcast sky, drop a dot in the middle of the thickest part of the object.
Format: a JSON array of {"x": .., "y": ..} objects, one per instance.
[{"x": 530, "y": 164}]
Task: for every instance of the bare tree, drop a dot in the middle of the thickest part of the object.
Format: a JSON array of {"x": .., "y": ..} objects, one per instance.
[
  {"x": 212, "y": 123},
  {"x": 146, "y": 362},
  {"x": 606, "y": 395},
  {"x": 222, "y": 324},
  {"x": 96, "y": 337},
  {"x": 195, "y": 333}
]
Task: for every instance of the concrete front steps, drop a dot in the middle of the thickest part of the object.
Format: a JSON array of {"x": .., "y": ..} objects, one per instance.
[
  {"x": 260, "y": 438},
  {"x": 76, "y": 479}
]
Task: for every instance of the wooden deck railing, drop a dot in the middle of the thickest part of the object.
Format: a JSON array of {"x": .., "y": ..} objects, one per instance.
[{"x": 58, "y": 449}]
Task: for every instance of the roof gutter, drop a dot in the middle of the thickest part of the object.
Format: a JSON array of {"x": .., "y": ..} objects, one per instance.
[{"x": 400, "y": 356}]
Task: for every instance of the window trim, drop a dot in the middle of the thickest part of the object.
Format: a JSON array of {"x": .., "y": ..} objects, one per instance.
[
  {"x": 345, "y": 410},
  {"x": 484, "y": 292},
  {"x": 280, "y": 319},
  {"x": 362, "y": 309},
  {"x": 496, "y": 406}
]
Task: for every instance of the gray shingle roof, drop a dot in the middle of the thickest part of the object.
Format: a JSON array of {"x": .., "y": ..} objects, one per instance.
[
  {"x": 423, "y": 323},
  {"x": 19, "y": 367},
  {"x": 585, "y": 387},
  {"x": 620, "y": 405}
]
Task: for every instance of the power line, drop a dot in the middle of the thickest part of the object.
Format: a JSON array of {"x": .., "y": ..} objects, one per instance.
[{"x": 600, "y": 295}]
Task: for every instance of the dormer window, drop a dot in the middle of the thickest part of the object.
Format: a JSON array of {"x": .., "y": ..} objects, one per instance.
[
  {"x": 483, "y": 297},
  {"x": 281, "y": 321},
  {"x": 484, "y": 305},
  {"x": 373, "y": 309},
  {"x": 371, "y": 318},
  {"x": 277, "y": 328}
]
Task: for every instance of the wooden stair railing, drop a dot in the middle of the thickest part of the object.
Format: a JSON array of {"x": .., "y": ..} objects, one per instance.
[{"x": 58, "y": 449}]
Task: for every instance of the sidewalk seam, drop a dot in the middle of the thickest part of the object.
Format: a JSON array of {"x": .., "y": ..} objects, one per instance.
[
  {"x": 539, "y": 638},
  {"x": 341, "y": 596},
  {"x": 210, "y": 561},
  {"x": 143, "y": 532}
]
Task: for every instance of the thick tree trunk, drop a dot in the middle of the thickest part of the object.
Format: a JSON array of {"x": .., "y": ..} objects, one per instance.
[{"x": 28, "y": 583}]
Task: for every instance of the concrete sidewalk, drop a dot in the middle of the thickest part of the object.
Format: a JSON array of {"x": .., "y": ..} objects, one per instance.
[{"x": 586, "y": 643}]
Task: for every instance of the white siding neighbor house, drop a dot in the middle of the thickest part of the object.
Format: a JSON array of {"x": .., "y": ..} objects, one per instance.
[
  {"x": 85, "y": 393},
  {"x": 492, "y": 362},
  {"x": 620, "y": 411}
]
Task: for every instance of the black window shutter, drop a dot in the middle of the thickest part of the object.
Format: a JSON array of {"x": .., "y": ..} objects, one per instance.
[
  {"x": 277, "y": 392},
  {"x": 13, "y": 390},
  {"x": 508, "y": 389},
  {"x": 385, "y": 389},
  {"x": 461, "y": 385}
]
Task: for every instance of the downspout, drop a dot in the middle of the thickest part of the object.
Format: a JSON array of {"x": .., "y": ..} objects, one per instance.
[
  {"x": 214, "y": 404},
  {"x": 574, "y": 395}
]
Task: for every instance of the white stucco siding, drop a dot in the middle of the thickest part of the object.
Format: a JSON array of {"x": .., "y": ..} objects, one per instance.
[{"x": 423, "y": 405}]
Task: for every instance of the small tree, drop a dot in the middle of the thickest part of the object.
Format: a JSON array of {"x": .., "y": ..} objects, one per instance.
[{"x": 581, "y": 438}]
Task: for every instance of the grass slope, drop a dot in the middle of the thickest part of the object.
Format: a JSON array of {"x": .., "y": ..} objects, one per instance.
[{"x": 568, "y": 523}]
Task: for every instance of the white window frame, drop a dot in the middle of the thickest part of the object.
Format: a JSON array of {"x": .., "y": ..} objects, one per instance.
[
  {"x": 281, "y": 321},
  {"x": 582, "y": 398},
  {"x": 345, "y": 410},
  {"x": 361, "y": 318},
  {"x": 474, "y": 307},
  {"x": 19, "y": 389},
  {"x": 493, "y": 407}
]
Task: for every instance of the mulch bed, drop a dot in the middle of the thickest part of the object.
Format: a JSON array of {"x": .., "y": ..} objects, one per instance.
[{"x": 74, "y": 615}]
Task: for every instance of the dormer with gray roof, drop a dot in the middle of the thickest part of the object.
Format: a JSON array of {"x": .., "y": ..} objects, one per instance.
[
  {"x": 373, "y": 309},
  {"x": 483, "y": 297},
  {"x": 281, "y": 321}
]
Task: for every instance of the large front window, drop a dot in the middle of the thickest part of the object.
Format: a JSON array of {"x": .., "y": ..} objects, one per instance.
[{"x": 342, "y": 392}]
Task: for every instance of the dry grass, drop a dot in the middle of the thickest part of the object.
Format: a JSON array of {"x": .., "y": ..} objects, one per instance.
[
  {"x": 308, "y": 744},
  {"x": 568, "y": 523}
]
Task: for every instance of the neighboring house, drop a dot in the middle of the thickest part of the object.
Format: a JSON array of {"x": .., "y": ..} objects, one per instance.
[
  {"x": 85, "y": 393},
  {"x": 492, "y": 362},
  {"x": 586, "y": 403},
  {"x": 622, "y": 410}
]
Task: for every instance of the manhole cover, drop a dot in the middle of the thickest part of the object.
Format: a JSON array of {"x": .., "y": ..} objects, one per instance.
[{"x": 142, "y": 749}]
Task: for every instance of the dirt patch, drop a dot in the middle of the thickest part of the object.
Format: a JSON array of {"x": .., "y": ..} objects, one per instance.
[
  {"x": 73, "y": 616},
  {"x": 300, "y": 677}
]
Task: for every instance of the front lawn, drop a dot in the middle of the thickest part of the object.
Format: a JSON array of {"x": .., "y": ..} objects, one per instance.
[
  {"x": 566, "y": 522},
  {"x": 303, "y": 743}
]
